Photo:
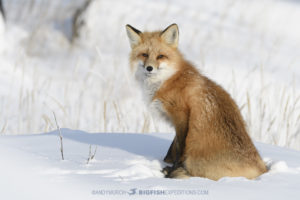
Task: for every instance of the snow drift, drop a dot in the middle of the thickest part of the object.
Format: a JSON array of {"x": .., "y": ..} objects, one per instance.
[{"x": 129, "y": 165}]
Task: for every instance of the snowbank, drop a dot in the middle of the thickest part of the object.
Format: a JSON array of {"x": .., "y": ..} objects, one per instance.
[{"x": 130, "y": 165}]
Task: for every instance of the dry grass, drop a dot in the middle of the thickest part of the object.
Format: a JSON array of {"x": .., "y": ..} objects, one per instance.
[{"x": 95, "y": 96}]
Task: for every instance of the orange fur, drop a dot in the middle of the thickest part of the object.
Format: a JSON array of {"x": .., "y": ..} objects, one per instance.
[{"x": 211, "y": 139}]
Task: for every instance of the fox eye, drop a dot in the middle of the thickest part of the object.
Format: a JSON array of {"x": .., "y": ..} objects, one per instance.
[
  {"x": 145, "y": 55},
  {"x": 160, "y": 56}
]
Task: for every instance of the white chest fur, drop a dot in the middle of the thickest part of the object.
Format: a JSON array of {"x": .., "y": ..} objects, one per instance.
[
  {"x": 150, "y": 84},
  {"x": 158, "y": 111},
  {"x": 155, "y": 106}
]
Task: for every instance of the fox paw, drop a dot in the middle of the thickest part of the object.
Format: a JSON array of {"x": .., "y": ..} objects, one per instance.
[
  {"x": 166, "y": 171},
  {"x": 171, "y": 172}
]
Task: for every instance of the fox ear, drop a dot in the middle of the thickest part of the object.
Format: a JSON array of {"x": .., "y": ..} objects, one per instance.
[
  {"x": 133, "y": 35},
  {"x": 170, "y": 35}
]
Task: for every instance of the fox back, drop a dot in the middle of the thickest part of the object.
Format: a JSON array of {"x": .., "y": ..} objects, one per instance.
[{"x": 211, "y": 139}]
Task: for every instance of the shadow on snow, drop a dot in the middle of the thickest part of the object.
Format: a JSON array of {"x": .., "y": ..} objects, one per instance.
[{"x": 140, "y": 144}]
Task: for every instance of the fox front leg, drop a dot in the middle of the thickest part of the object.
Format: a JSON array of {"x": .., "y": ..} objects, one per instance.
[
  {"x": 176, "y": 150},
  {"x": 176, "y": 159},
  {"x": 177, "y": 147},
  {"x": 170, "y": 157},
  {"x": 179, "y": 143}
]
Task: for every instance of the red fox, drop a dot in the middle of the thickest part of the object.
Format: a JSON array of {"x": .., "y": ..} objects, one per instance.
[{"x": 211, "y": 139}]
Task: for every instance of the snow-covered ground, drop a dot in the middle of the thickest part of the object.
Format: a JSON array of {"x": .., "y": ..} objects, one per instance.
[
  {"x": 126, "y": 166},
  {"x": 250, "y": 47}
]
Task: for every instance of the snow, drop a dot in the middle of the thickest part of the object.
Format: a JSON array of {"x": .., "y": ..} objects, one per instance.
[
  {"x": 31, "y": 168},
  {"x": 250, "y": 47}
]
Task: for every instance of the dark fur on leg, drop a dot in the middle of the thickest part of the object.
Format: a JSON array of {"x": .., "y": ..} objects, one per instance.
[
  {"x": 176, "y": 171},
  {"x": 180, "y": 173},
  {"x": 166, "y": 170},
  {"x": 169, "y": 157}
]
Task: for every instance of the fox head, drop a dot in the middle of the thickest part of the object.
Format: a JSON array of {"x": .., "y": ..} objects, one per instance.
[{"x": 154, "y": 55}]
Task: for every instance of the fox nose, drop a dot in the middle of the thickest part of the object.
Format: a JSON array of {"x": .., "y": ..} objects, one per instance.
[{"x": 149, "y": 68}]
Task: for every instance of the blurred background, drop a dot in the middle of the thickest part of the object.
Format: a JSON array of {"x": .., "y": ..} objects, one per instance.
[{"x": 71, "y": 58}]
